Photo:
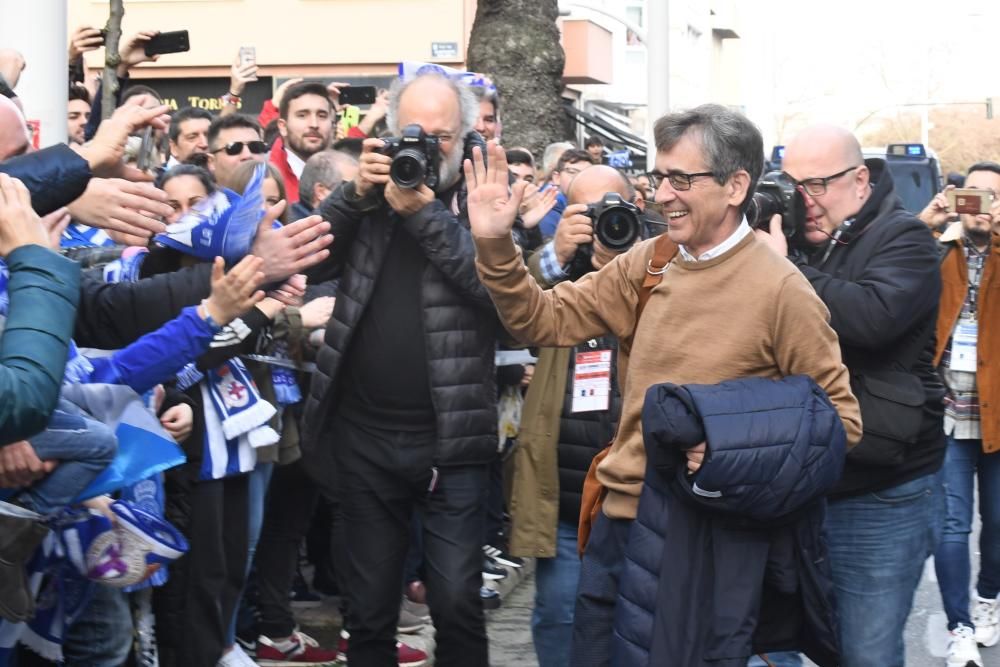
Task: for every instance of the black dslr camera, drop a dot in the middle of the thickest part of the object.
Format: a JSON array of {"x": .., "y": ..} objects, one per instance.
[
  {"x": 416, "y": 157},
  {"x": 617, "y": 225},
  {"x": 777, "y": 194}
]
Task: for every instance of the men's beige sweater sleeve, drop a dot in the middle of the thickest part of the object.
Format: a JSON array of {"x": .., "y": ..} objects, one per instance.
[
  {"x": 805, "y": 344},
  {"x": 572, "y": 312}
]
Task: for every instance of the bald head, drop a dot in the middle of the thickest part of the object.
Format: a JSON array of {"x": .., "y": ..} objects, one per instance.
[
  {"x": 830, "y": 159},
  {"x": 591, "y": 184},
  {"x": 14, "y": 137},
  {"x": 830, "y": 141}
]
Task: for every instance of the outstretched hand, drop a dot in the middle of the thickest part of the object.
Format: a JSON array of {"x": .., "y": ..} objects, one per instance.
[
  {"x": 492, "y": 204},
  {"x": 235, "y": 292}
]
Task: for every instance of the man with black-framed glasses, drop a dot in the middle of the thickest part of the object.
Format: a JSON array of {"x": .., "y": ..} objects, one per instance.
[
  {"x": 232, "y": 140},
  {"x": 875, "y": 266},
  {"x": 716, "y": 304}
]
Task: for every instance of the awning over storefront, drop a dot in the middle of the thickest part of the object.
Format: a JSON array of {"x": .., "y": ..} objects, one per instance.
[{"x": 604, "y": 124}]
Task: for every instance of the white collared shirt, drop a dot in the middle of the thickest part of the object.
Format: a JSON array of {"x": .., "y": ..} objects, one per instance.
[
  {"x": 295, "y": 163},
  {"x": 725, "y": 246}
]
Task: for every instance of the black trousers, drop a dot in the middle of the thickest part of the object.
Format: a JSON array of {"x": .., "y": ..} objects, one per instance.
[
  {"x": 194, "y": 608},
  {"x": 288, "y": 512},
  {"x": 382, "y": 477}
]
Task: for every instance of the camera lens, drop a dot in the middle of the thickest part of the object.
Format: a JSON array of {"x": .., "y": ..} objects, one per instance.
[
  {"x": 765, "y": 205},
  {"x": 617, "y": 228},
  {"x": 408, "y": 168}
]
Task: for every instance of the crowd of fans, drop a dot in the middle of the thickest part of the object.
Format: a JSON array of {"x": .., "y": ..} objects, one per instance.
[{"x": 227, "y": 337}]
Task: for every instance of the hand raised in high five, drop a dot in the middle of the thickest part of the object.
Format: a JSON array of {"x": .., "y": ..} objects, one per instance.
[
  {"x": 19, "y": 224},
  {"x": 235, "y": 292},
  {"x": 492, "y": 204},
  {"x": 292, "y": 248}
]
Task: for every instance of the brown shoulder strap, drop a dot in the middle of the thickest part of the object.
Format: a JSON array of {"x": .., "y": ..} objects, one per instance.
[{"x": 664, "y": 250}]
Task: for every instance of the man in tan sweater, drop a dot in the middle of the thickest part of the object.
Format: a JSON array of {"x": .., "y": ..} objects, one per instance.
[{"x": 727, "y": 307}]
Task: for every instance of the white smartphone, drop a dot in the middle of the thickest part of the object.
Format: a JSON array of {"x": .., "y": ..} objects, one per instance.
[{"x": 248, "y": 56}]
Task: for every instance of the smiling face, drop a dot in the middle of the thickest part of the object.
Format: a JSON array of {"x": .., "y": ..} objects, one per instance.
[{"x": 703, "y": 216}]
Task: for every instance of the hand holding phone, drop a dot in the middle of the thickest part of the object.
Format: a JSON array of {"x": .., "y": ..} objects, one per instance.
[
  {"x": 168, "y": 42},
  {"x": 973, "y": 201},
  {"x": 248, "y": 61},
  {"x": 356, "y": 95}
]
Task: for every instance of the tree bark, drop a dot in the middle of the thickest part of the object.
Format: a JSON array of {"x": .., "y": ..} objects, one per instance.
[
  {"x": 113, "y": 35},
  {"x": 516, "y": 43}
]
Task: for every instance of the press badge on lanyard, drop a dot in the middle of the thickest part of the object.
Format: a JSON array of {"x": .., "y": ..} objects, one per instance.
[
  {"x": 963, "y": 347},
  {"x": 592, "y": 381}
]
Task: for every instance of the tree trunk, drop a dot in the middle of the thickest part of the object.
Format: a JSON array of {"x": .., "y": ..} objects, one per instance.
[
  {"x": 113, "y": 35},
  {"x": 516, "y": 43}
]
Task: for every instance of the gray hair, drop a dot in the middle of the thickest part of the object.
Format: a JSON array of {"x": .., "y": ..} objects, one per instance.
[
  {"x": 730, "y": 142},
  {"x": 320, "y": 168},
  {"x": 468, "y": 105},
  {"x": 552, "y": 154}
]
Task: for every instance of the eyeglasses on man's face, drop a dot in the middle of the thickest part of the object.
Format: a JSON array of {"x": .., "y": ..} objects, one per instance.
[
  {"x": 678, "y": 180},
  {"x": 816, "y": 187}
]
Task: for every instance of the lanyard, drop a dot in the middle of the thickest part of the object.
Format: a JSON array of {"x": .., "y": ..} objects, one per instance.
[{"x": 976, "y": 262}]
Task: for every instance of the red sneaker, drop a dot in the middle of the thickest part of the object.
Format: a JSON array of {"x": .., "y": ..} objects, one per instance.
[
  {"x": 303, "y": 650},
  {"x": 406, "y": 655}
]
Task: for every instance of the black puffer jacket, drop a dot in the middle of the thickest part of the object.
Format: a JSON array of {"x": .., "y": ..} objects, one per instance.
[
  {"x": 882, "y": 283},
  {"x": 459, "y": 324},
  {"x": 583, "y": 434}
]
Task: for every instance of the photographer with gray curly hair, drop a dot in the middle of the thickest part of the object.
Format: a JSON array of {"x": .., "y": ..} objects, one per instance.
[{"x": 401, "y": 415}]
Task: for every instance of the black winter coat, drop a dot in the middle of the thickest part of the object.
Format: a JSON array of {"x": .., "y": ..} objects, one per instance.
[
  {"x": 459, "y": 324},
  {"x": 882, "y": 283}
]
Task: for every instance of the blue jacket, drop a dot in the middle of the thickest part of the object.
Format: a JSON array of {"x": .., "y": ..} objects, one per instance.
[
  {"x": 158, "y": 356},
  {"x": 54, "y": 176},
  {"x": 744, "y": 569}
]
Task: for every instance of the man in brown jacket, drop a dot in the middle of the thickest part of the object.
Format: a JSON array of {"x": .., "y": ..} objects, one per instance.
[
  {"x": 968, "y": 333},
  {"x": 727, "y": 307}
]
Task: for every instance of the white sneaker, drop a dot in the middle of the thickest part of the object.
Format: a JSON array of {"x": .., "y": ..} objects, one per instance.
[
  {"x": 236, "y": 657},
  {"x": 986, "y": 618},
  {"x": 962, "y": 649}
]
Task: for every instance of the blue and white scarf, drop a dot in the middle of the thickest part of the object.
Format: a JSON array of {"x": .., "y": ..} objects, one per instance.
[{"x": 78, "y": 235}]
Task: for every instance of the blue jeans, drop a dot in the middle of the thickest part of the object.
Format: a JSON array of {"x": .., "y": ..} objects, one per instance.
[
  {"x": 965, "y": 462},
  {"x": 83, "y": 446},
  {"x": 878, "y": 544},
  {"x": 600, "y": 573},
  {"x": 555, "y": 597},
  {"x": 257, "y": 485},
  {"x": 102, "y": 635}
]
